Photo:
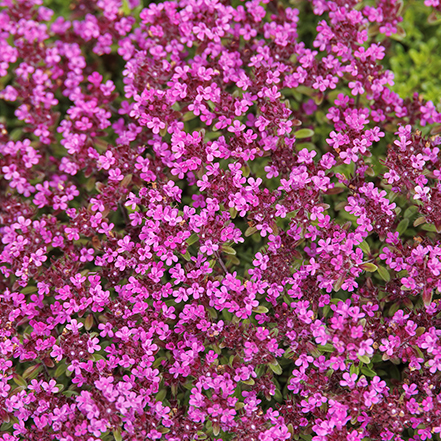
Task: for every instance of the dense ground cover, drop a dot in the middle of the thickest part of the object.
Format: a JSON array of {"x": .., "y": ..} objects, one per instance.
[{"x": 220, "y": 220}]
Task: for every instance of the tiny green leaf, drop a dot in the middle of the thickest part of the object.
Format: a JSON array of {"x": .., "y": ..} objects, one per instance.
[
  {"x": 88, "y": 323},
  {"x": 117, "y": 435},
  {"x": 187, "y": 256},
  {"x": 427, "y": 296},
  {"x": 19, "y": 380},
  {"x": 69, "y": 393},
  {"x": 326, "y": 348},
  {"x": 429, "y": 227},
  {"x": 368, "y": 372},
  {"x": 29, "y": 290},
  {"x": 61, "y": 369},
  {"x": 228, "y": 250},
  {"x": 304, "y": 133},
  {"x": 384, "y": 273},
  {"x": 249, "y": 382},
  {"x": 419, "y": 221},
  {"x": 126, "y": 181},
  {"x": 261, "y": 309},
  {"x": 369, "y": 267},
  {"x": 354, "y": 369},
  {"x": 188, "y": 116},
  {"x": 126, "y": 7},
  {"x": 364, "y": 359},
  {"x": 275, "y": 367},
  {"x": 192, "y": 239},
  {"x": 402, "y": 226},
  {"x": 31, "y": 372},
  {"x": 394, "y": 308},
  {"x": 365, "y": 247},
  {"x": 250, "y": 231},
  {"x": 161, "y": 395},
  {"x": 413, "y": 209},
  {"x": 339, "y": 282},
  {"x": 288, "y": 353}
]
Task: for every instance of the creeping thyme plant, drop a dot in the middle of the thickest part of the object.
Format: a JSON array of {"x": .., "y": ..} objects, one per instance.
[{"x": 219, "y": 221}]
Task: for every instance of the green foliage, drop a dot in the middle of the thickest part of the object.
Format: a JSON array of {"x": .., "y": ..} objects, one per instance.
[{"x": 416, "y": 62}]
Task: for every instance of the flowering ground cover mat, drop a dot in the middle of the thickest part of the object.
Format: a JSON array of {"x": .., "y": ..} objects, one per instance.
[{"x": 220, "y": 220}]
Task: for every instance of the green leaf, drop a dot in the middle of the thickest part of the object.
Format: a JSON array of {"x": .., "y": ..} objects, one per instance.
[
  {"x": 365, "y": 247},
  {"x": 61, "y": 369},
  {"x": 249, "y": 382},
  {"x": 69, "y": 393},
  {"x": 99, "y": 187},
  {"x": 393, "y": 309},
  {"x": 413, "y": 209},
  {"x": 292, "y": 214},
  {"x": 192, "y": 239},
  {"x": 96, "y": 356},
  {"x": 368, "y": 372},
  {"x": 187, "y": 256},
  {"x": 189, "y": 385},
  {"x": 305, "y": 90},
  {"x": 19, "y": 380},
  {"x": 125, "y": 7},
  {"x": 275, "y": 367},
  {"x": 364, "y": 359},
  {"x": 400, "y": 34},
  {"x": 384, "y": 273},
  {"x": 246, "y": 170},
  {"x": 261, "y": 309},
  {"x": 354, "y": 369},
  {"x": 250, "y": 230},
  {"x": 429, "y": 227},
  {"x": 370, "y": 172},
  {"x": 188, "y": 116},
  {"x": 90, "y": 184},
  {"x": 433, "y": 18},
  {"x": 369, "y": 267},
  {"x": 304, "y": 133},
  {"x": 31, "y": 372},
  {"x": 160, "y": 396},
  {"x": 419, "y": 221},
  {"x": 88, "y": 323},
  {"x": 126, "y": 181},
  {"x": 402, "y": 226},
  {"x": 326, "y": 348},
  {"x": 29, "y": 290},
  {"x": 427, "y": 296},
  {"x": 339, "y": 282},
  {"x": 288, "y": 353},
  {"x": 233, "y": 260},
  {"x": 117, "y": 435},
  {"x": 228, "y": 250},
  {"x": 420, "y": 331}
]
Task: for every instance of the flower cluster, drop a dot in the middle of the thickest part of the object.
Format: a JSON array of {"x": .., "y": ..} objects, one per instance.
[{"x": 211, "y": 229}]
